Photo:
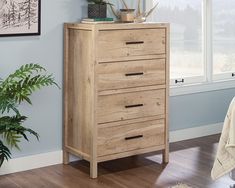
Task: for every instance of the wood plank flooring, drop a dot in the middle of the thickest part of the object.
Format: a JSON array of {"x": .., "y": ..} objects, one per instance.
[{"x": 190, "y": 162}]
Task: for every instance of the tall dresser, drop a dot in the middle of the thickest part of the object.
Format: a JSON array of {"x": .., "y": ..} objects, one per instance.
[{"x": 116, "y": 86}]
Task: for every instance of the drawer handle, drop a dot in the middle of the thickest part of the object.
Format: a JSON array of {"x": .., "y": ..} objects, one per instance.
[
  {"x": 134, "y": 106},
  {"x": 135, "y": 42},
  {"x": 135, "y": 74},
  {"x": 134, "y": 137},
  {"x": 233, "y": 74},
  {"x": 179, "y": 81}
]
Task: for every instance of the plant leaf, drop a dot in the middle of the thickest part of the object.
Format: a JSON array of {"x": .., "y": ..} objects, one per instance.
[{"x": 5, "y": 153}]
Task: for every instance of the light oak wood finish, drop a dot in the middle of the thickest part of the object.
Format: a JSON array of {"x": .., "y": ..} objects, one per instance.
[
  {"x": 130, "y": 105},
  {"x": 115, "y": 91},
  {"x": 118, "y": 139},
  {"x": 79, "y": 91},
  {"x": 125, "y": 43},
  {"x": 130, "y": 90},
  {"x": 129, "y": 74},
  {"x": 166, "y": 150}
]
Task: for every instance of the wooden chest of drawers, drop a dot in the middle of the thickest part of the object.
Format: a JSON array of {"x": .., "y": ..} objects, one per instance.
[{"x": 116, "y": 80}]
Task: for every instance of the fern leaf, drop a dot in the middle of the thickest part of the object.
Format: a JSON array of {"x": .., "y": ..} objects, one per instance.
[
  {"x": 18, "y": 87},
  {"x": 12, "y": 131},
  {"x": 7, "y": 104},
  {"x": 21, "y": 84},
  {"x": 5, "y": 153}
]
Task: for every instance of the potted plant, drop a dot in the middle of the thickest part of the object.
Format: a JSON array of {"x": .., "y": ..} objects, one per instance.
[
  {"x": 14, "y": 90},
  {"x": 97, "y": 9}
]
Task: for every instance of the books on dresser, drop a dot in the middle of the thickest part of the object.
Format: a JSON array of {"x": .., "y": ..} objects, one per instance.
[{"x": 97, "y": 20}]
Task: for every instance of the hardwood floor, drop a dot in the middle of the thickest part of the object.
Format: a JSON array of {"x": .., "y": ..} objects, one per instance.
[{"x": 190, "y": 162}]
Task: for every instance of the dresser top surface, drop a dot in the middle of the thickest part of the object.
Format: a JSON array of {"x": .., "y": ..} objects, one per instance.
[{"x": 111, "y": 26}]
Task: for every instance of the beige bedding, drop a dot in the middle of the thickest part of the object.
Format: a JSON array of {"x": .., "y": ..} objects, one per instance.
[{"x": 225, "y": 157}]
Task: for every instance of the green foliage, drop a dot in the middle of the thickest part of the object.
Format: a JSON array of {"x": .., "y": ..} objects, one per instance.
[
  {"x": 15, "y": 89},
  {"x": 5, "y": 153}
]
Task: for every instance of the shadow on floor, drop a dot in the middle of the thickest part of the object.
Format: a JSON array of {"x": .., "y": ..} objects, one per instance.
[{"x": 190, "y": 162}]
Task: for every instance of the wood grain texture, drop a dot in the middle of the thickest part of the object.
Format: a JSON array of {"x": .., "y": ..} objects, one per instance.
[
  {"x": 125, "y": 43},
  {"x": 129, "y": 74},
  {"x": 131, "y": 121},
  {"x": 130, "y": 58},
  {"x": 130, "y": 153},
  {"x": 112, "y": 140},
  {"x": 166, "y": 150},
  {"x": 130, "y": 90},
  {"x": 130, "y": 105},
  {"x": 115, "y": 77},
  {"x": 116, "y": 26},
  {"x": 93, "y": 99},
  {"x": 78, "y": 91},
  {"x": 190, "y": 162}
]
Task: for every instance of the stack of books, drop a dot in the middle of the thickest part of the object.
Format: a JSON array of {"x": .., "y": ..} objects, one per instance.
[{"x": 97, "y": 20}]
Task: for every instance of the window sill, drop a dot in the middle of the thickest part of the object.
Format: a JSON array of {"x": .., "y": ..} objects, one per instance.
[{"x": 201, "y": 87}]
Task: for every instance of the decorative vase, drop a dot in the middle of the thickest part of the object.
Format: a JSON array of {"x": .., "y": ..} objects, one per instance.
[
  {"x": 127, "y": 15},
  {"x": 97, "y": 11}
]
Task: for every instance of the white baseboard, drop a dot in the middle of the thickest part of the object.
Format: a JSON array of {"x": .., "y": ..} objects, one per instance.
[
  {"x": 31, "y": 162},
  {"x": 196, "y": 132},
  {"x": 53, "y": 158}
]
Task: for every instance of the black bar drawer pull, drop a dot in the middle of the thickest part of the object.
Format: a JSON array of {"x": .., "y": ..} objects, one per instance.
[
  {"x": 134, "y": 137},
  {"x": 179, "y": 81},
  {"x": 135, "y": 74},
  {"x": 134, "y": 106},
  {"x": 135, "y": 42},
  {"x": 233, "y": 74}
]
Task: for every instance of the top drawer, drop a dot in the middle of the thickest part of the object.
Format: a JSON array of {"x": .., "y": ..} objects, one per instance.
[{"x": 124, "y": 43}]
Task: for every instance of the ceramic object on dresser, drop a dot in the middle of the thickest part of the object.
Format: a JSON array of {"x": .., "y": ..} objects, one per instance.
[
  {"x": 129, "y": 15},
  {"x": 115, "y": 91},
  {"x": 97, "y": 11},
  {"x": 97, "y": 8}
]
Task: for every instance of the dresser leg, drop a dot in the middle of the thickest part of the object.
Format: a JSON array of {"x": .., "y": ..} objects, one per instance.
[
  {"x": 93, "y": 169},
  {"x": 65, "y": 157},
  {"x": 165, "y": 155}
]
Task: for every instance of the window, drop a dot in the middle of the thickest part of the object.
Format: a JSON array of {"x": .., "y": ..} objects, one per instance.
[
  {"x": 223, "y": 38},
  {"x": 186, "y": 38},
  {"x": 202, "y": 39}
]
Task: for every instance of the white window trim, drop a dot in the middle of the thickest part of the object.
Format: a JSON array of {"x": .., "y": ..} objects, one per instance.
[
  {"x": 201, "y": 87},
  {"x": 210, "y": 82},
  {"x": 187, "y": 81},
  {"x": 208, "y": 46}
]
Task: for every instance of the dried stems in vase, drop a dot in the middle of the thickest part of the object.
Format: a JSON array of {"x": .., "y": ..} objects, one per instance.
[{"x": 138, "y": 17}]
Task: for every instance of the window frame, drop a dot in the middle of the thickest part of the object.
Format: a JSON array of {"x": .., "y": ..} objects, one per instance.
[
  {"x": 209, "y": 81},
  {"x": 222, "y": 76}
]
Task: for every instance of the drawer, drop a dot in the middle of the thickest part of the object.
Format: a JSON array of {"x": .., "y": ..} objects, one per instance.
[
  {"x": 136, "y": 136},
  {"x": 124, "y": 43},
  {"x": 125, "y": 106},
  {"x": 131, "y": 74}
]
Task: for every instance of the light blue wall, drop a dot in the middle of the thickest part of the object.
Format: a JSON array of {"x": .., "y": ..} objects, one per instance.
[
  {"x": 188, "y": 111},
  {"x": 45, "y": 116}
]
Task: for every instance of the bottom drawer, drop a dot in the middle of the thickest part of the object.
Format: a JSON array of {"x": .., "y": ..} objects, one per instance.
[{"x": 129, "y": 137}]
